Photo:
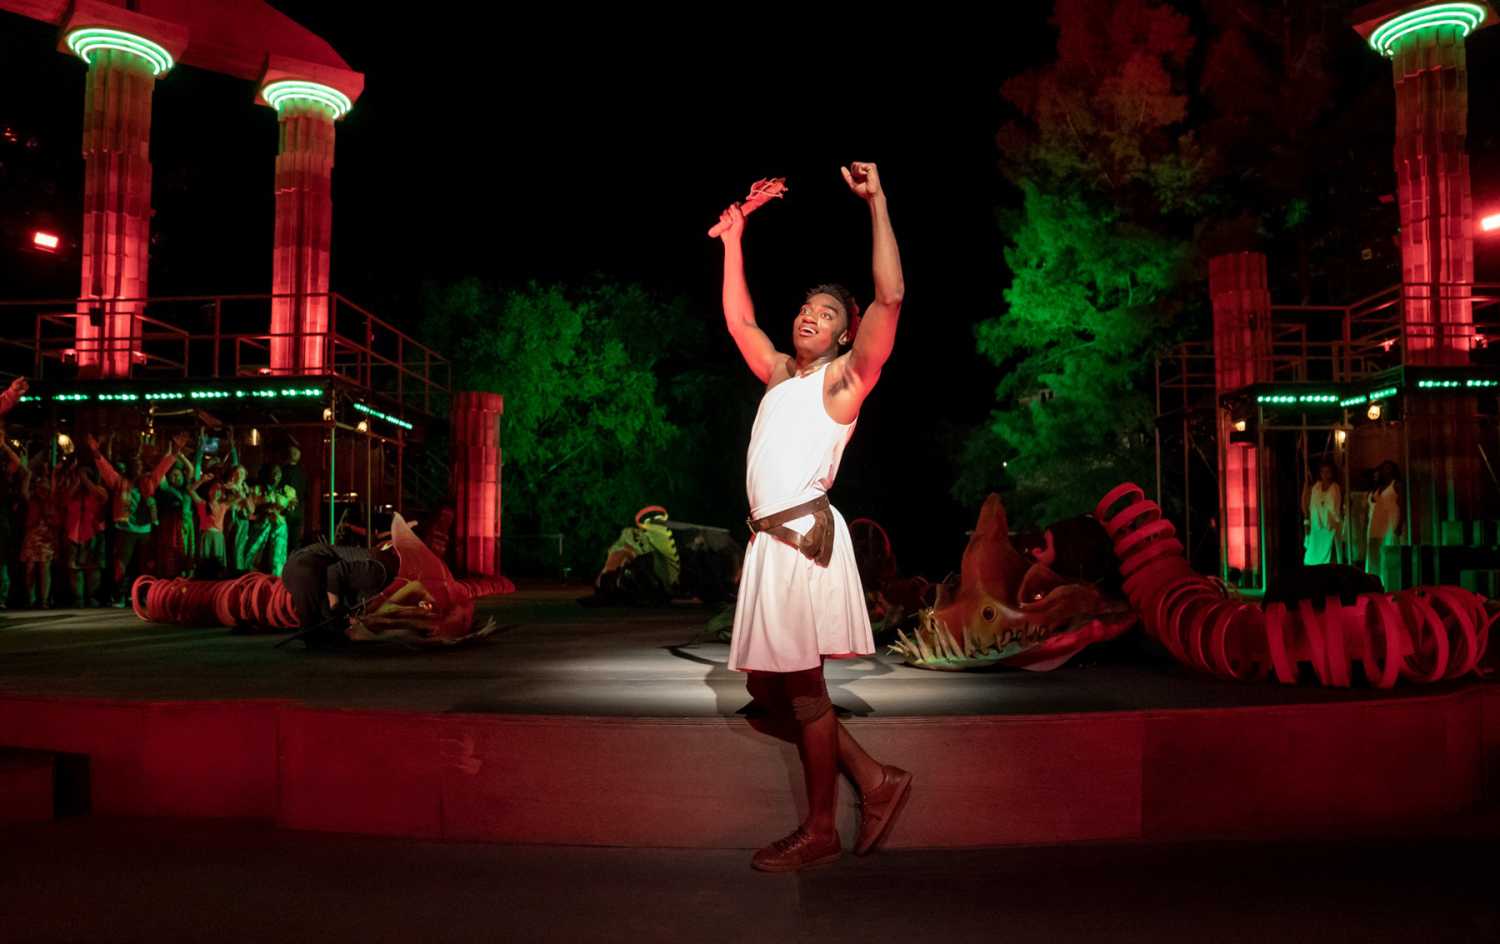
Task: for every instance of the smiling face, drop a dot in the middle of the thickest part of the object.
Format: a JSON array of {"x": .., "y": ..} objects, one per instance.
[{"x": 821, "y": 325}]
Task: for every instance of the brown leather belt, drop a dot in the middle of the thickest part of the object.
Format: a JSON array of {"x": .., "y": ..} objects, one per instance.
[{"x": 816, "y": 544}]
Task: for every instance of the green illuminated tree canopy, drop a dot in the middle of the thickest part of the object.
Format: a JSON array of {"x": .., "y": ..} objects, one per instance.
[
  {"x": 1098, "y": 253},
  {"x": 586, "y": 436}
]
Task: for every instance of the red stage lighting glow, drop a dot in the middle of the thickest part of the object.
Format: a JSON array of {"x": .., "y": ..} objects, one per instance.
[
  {"x": 47, "y": 242},
  {"x": 1491, "y": 223}
]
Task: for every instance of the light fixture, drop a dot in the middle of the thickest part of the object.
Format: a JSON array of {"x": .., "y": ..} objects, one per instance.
[
  {"x": 1466, "y": 17},
  {"x": 1340, "y": 436},
  {"x": 65, "y": 442},
  {"x": 363, "y": 426},
  {"x": 289, "y": 91},
  {"x": 1374, "y": 411},
  {"x": 86, "y": 42},
  {"x": 46, "y": 242},
  {"x": 327, "y": 414},
  {"x": 1240, "y": 426},
  {"x": 371, "y": 411},
  {"x": 254, "y": 436},
  {"x": 1490, "y": 223}
]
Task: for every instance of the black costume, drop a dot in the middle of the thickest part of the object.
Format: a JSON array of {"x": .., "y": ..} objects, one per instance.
[{"x": 352, "y": 574}]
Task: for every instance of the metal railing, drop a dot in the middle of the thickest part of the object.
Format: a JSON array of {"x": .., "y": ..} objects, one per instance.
[
  {"x": 222, "y": 336},
  {"x": 1335, "y": 344}
]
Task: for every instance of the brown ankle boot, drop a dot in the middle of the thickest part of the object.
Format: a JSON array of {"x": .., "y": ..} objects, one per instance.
[
  {"x": 878, "y": 809},
  {"x": 798, "y": 851}
]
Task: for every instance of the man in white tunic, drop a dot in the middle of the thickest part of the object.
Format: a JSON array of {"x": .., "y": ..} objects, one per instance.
[{"x": 800, "y": 599}]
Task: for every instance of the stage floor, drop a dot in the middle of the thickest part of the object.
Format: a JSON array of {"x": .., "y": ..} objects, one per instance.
[{"x": 554, "y": 657}]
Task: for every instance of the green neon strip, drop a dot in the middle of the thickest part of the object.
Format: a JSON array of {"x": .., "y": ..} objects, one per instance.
[
  {"x": 288, "y": 91},
  {"x": 1465, "y": 16},
  {"x": 1319, "y": 398},
  {"x": 86, "y": 42},
  {"x": 383, "y": 416},
  {"x": 1382, "y": 394},
  {"x": 278, "y": 393},
  {"x": 1470, "y": 382}
]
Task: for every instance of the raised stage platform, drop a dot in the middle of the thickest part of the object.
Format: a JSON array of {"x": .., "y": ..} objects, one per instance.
[{"x": 613, "y": 727}]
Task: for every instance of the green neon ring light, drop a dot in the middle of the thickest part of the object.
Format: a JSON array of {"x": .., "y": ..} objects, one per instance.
[{"x": 86, "y": 42}]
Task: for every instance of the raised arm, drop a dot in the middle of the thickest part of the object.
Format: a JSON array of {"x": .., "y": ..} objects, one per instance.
[
  {"x": 739, "y": 312},
  {"x": 198, "y": 456},
  {"x": 13, "y": 461},
  {"x": 25, "y": 482},
  {"x": 93, "y": 488},
  {"x": 107, "y": 473},
  {"x": 12, "y": 394},
  {"x": 163, "y": 465},
  {"x": 877, "y": 330}
]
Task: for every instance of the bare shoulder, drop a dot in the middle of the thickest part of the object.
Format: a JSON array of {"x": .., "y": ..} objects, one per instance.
[{"x": 782, "y": 368}]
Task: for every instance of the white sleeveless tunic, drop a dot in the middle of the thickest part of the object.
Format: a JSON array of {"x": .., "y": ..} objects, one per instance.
[{"x": 791, "y": 612}]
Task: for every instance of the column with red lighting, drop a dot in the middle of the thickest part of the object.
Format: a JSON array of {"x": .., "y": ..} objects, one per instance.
[
  {"x": 123, "y": 68},
  {"x": 304, "y": 222},
  {"x": 1425, "y": 43},
  {"x": 475, "y": 471},
  {"x": 1242, "y": 342}
]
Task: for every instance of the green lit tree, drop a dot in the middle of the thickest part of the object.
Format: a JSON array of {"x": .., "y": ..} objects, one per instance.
[
  {"x": 587, "y": 437},
  {"x": 1099, "y": 254}
]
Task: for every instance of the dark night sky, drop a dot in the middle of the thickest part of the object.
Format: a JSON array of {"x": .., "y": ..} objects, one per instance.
[{"x": 565, "y": 147}]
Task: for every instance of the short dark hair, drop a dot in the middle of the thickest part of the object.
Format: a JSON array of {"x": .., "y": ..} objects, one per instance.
[{"x": 844, "y": 296}]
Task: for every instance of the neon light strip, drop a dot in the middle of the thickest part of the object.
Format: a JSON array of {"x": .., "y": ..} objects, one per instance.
[
  {"x": 1465, "y": 16},
  {"x": 1329, "y": 398},
  {"x": 383, "y": 416},
  {"x": 1471, "y": 383},
  {"x": 288, "y": 91},
  {"x": 85, "y": 42},
  {"x": 299, "y": 393},
  {"x": 1382, "y": 394}
]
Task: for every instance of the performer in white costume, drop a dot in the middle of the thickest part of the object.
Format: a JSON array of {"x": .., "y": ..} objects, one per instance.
[
  {"x": 1387, "y": 525},
  {"x": 800, "y": 599},
  {"x": 1323, "y": 509}
]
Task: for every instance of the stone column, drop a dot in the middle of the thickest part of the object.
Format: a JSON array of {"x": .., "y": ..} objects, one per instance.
[
  {"x": 475, "y": 472},
  {"x": 1425, "y": 43},
  {"x": 1241, "y": 302},
  {"x": 304, "y": 223},
  {"x": 123, "y": 68}
]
